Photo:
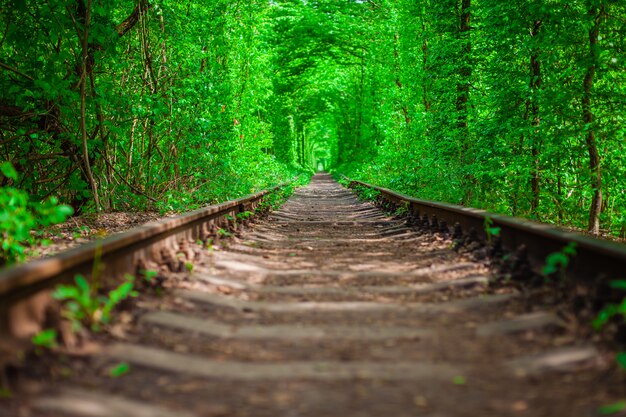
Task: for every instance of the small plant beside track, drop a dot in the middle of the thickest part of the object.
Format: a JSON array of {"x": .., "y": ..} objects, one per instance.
[
  {"x": 46, "y": 339},
  {"x": 557, "y": 262},
  {"x": 490, "y": 230},
  {"x": 84, "y": 306}
]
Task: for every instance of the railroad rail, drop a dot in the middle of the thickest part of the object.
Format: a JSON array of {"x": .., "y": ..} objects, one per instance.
[
  {"x": 123, "y": 253},
  {"x": 595, "y": 261}
]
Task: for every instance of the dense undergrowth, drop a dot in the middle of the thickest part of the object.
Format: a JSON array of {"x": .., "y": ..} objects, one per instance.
[{"x": 139, "y": 105}]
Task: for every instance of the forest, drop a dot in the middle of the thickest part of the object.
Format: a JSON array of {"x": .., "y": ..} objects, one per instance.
[{"x": 514, "y": 107}]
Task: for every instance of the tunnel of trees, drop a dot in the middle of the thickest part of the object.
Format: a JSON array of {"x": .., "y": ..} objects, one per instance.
[{"x": 513, "y": 106}]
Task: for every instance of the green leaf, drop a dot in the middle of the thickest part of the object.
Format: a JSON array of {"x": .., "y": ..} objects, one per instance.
[
  {"x": 45, "y": 338},
  {"x": 494, "y": 231},
  {"x": 65, "y": 292},
  {"x": 621, "y": 359},
  {"x": 8, "y": 170},
  {"x": 63, "y": 211},
  {"x": 570, "y": 249},
  {"x": 609, "y": 311},
  {"x": 618, "y": 284},
  {"x": 149, "y": 274},
  {"x": 118, "y": 370},
  {"x": 607, "y": 410},
  {"x": 459, "y": 380}
]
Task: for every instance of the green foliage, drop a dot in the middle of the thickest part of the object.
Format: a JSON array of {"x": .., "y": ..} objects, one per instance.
[
  {"x": 610, "y": 409},
  {"x": 19, "y": 216},
  {"x": 366, "y": 193},
  {"x": 178, "y": 107},
  {"x": 245, "y": 215},
  {"x": 557, "y": 262},
  {"x": 402, "y": 210},
  {"x": 84, "y": 306},
  {"x": 46, "y": 339},
  {"x": 275, "y": 199},
  {"x": 611, "y": 310},
  {"x": 490, "y": 117},
  {"x": 118, "y": 370},
  {"x": 224, "y": 233},
  {"x": 490, "y": 230},
  {"x": 149, "y": 274},
  {"x": 8, "y": 171},
  {"x": 607, "y": 313}
]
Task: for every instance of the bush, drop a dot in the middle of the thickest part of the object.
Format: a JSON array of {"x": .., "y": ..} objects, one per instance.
[{"x": 19, "y": 216}]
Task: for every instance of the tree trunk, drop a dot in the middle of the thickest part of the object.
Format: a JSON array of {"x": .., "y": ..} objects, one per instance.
[
  {"x": 465, "y": 70},
  {"x": 462, "y": 88},
  {"x": 590, "y": 140},
  {"x": 533, "y": 106},
  {"x": 83, "y": 104},
  {"x": 425, "y": 67}
]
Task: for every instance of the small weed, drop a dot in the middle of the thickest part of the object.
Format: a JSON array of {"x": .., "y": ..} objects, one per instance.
[
  {"x": 402, "y": 210},
  {"x": 224, "y": 233},
  {"x": 189, "y": 266},
  {"x": 118, "y": 370},
  {"x": 149, "y": 274},
  {"x": 607, "y": 313},
  {"x": 557, "y": 262},
  {"x": 45, "y": 339},
  {"x": 609, "y": 409},
  {"x": 490, "y": 230},
  {"x": 245, "y": 215},
  {"x": 367, "y": 194},
  {"x": 611, "y": 310},
  {"x": 85, "y": 307}
]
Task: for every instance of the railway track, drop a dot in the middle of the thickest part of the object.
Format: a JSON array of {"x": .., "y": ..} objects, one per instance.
[{"x": 328, "y": 307}]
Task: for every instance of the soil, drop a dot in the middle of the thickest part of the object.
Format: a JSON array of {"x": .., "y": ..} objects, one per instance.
[
  {"x": 350, "y": 265},
  {"x": 81, "y": 229}
]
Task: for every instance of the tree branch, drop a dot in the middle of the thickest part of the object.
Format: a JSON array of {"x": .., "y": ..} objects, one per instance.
[
  {"x": 8, "y": 68},
  {"x": 134, "y": 189},
  {"x": 133, "y": 18}
]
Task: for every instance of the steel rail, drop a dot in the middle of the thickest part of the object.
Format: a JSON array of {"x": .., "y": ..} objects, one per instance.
[
  {"x": 119, "y": 254},
  {"x": 595, "y": 260}
]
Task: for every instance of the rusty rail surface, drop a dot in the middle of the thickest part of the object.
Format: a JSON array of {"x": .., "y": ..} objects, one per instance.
[
  {"x": 120, "y": 254},
  {"x": 595, "y": 261}
]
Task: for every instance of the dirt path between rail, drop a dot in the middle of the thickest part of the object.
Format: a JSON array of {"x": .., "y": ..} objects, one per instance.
[{"x": 331, "y": 308}]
